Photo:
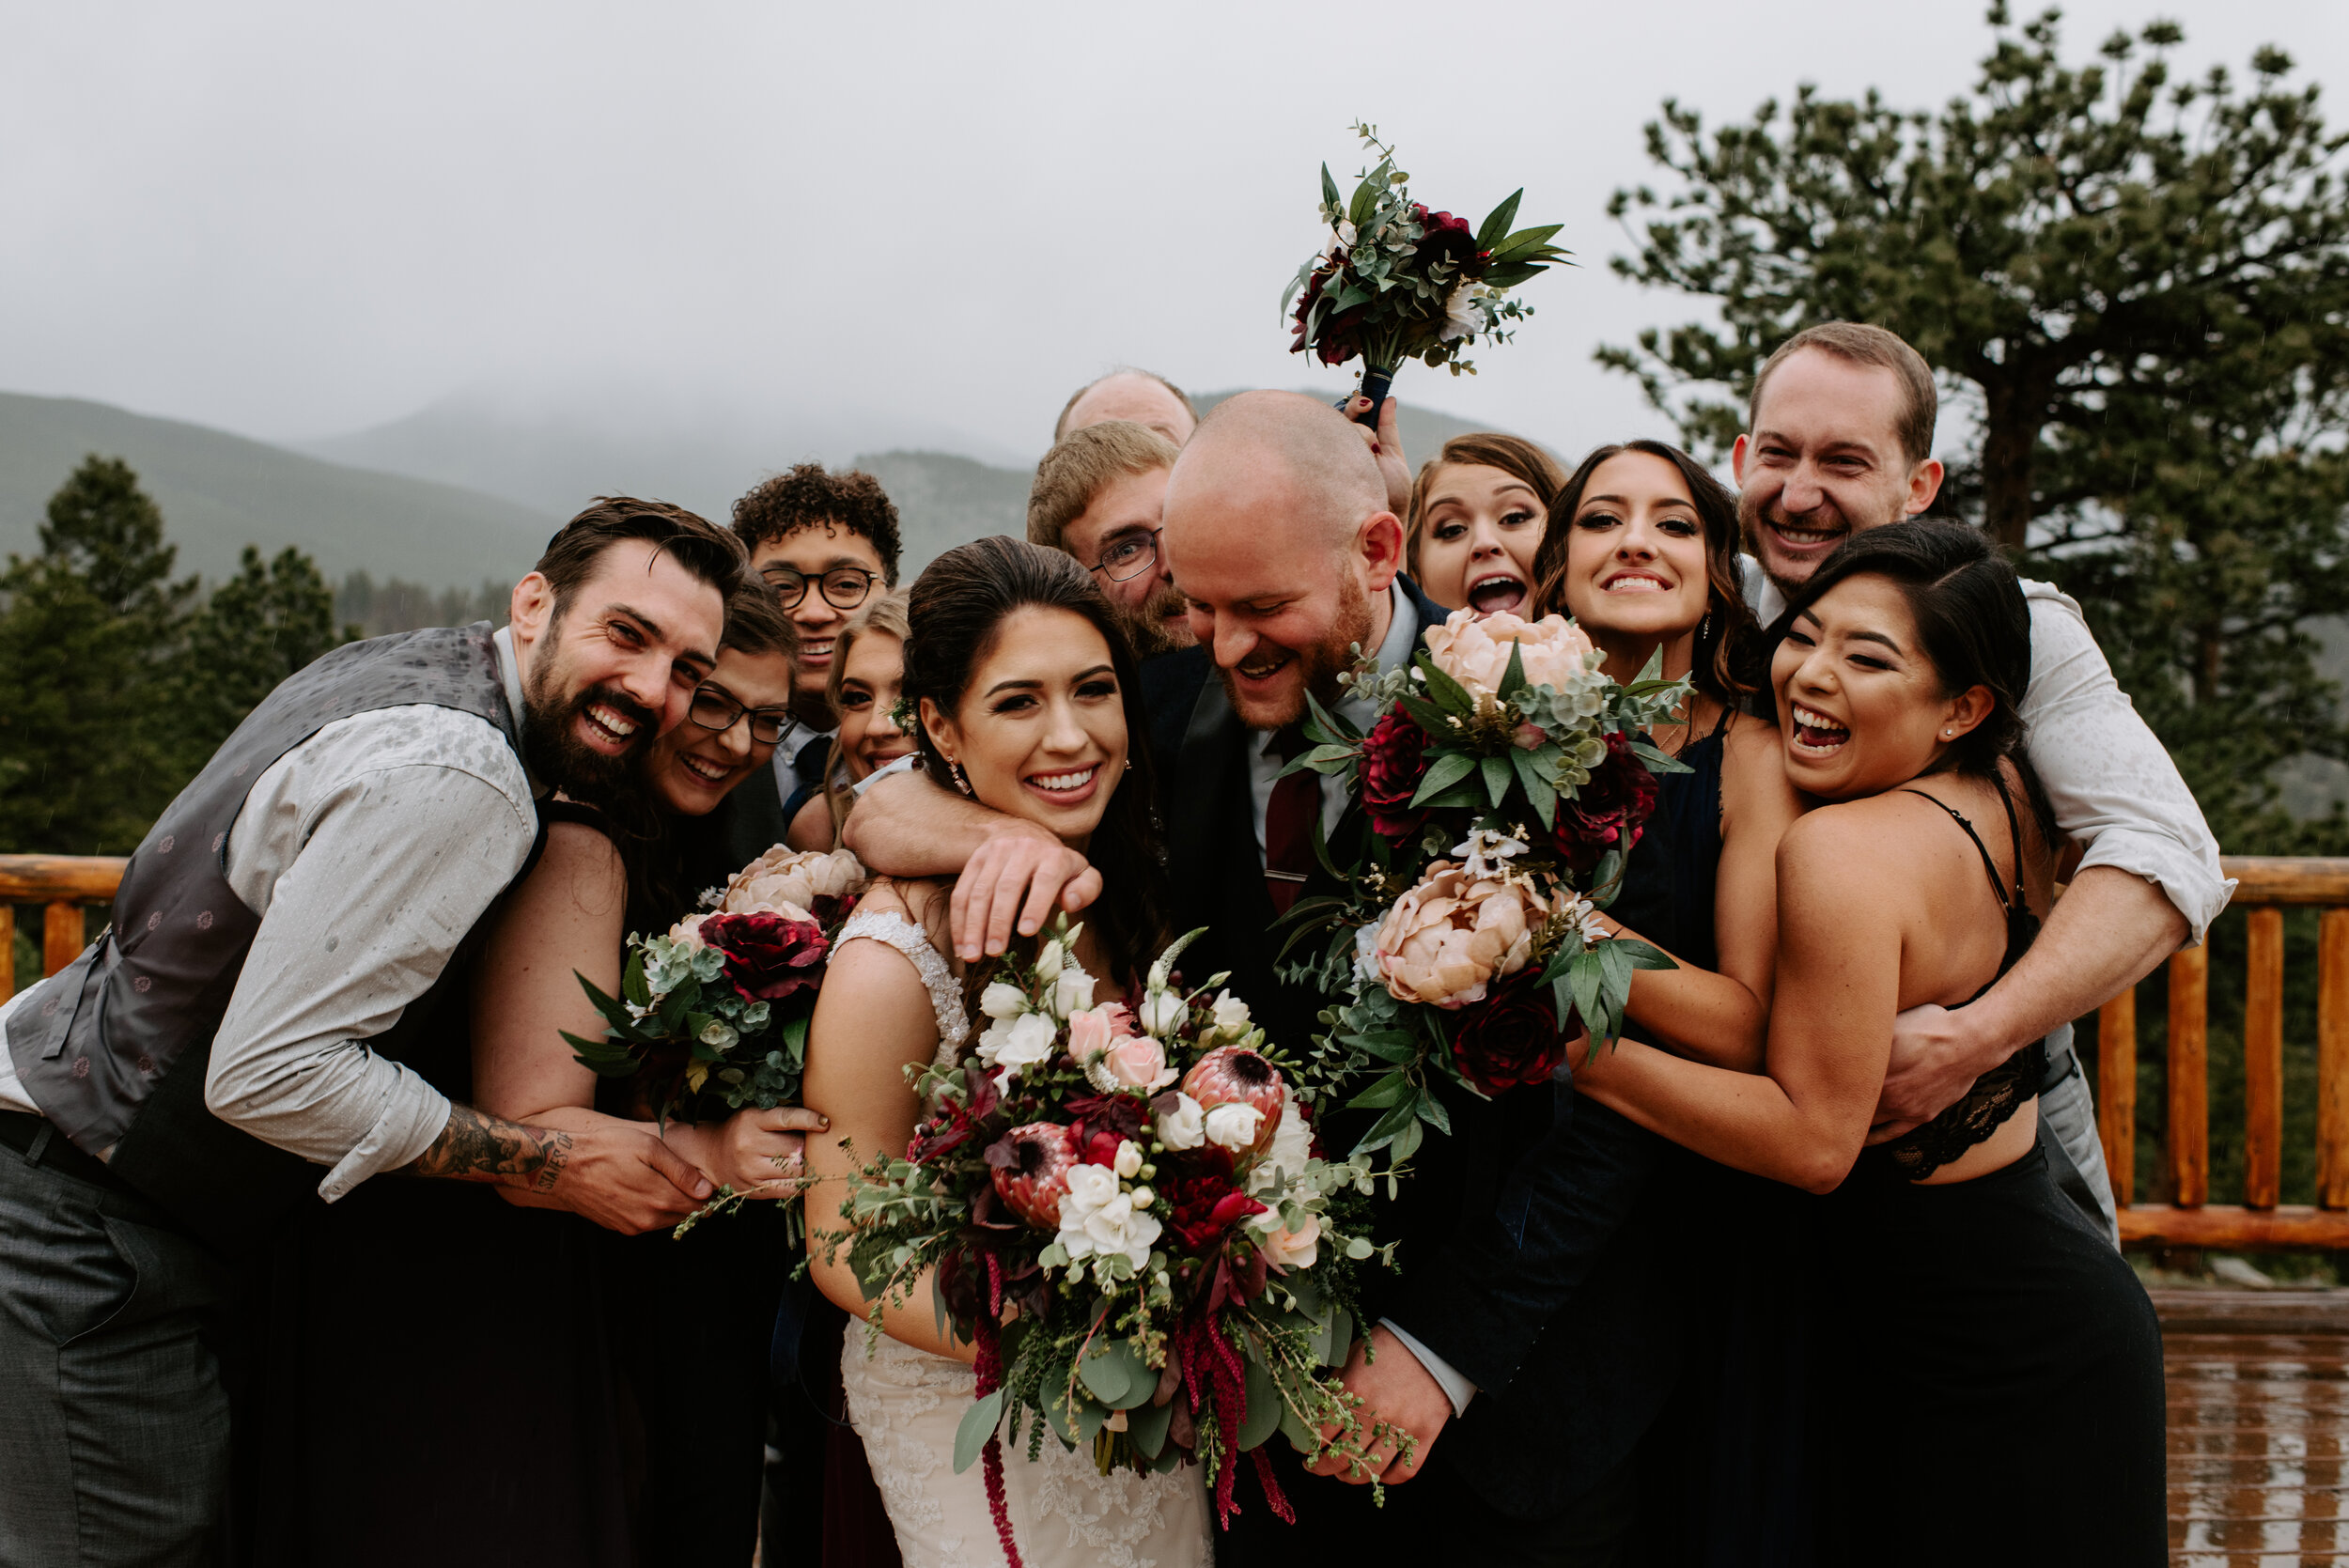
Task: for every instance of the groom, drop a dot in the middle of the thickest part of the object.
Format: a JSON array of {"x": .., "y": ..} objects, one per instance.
[
  {"x": 255, "y": 1029},
  {"x": 1279, "y": 529}
]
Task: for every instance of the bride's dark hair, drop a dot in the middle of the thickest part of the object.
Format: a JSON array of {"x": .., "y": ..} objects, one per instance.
[
  {"x": 1972, "y": 624},
  {"x": 957, "y": 611}
]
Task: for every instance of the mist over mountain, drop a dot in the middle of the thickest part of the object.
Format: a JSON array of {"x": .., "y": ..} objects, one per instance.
[
  {"x": 468, "y": 491},
  {"x": 220, "y": 493}
]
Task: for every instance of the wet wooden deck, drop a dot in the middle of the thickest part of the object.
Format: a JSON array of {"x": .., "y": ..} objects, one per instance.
[{"x": 2259, "y": 1426}]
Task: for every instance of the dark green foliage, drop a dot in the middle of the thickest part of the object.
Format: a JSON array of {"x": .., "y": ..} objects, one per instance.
[
  {"x": 120, "y": 687},
  {"x": 258, "y": 628},
  {"x": 393, "y": 604},
  {"x": 2136, "y": 292}
]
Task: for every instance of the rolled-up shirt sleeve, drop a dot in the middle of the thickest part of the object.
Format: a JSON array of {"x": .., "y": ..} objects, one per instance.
[
  {"x": 2112, "y": 783},
  {"x": 395, "y": 866}
]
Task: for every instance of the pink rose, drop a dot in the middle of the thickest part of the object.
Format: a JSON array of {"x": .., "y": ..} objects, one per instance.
[
  {"x": 1287, "y": 1248},
  {"x": 1476, "y": 652},
  {"x": 1138, "y": 1062}
]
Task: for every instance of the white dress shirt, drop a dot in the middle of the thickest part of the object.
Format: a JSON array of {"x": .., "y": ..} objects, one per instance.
[
  {"x": 2110, "y": 781},
  {"x": 369, "y": 851}
]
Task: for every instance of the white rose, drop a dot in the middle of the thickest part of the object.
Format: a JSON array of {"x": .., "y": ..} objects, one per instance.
[
  {"x": 1292, "y": 1147},
  {"x": 1233, "y": 1126},
  {"x": 1162, "y": 1013},
  {"x": 1024, "y": 1042},
  {"x": 1231, "y": 1015},
  {"x": 1048, "y": 962},
  {"x": 1127, "y": 1163},
  {"x": 1002, "y": 1001},
  {"x": 1072, "y": 991},
  {"x": 1185, "y": 1126},
  {"x": 1097, "y": 1219},
  {"x": 1288, "y": 1249}
]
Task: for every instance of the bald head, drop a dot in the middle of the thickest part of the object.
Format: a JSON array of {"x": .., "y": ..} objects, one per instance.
[
  {"x": 1277, "y": 532},
  {"x": 1284, "y": 442},
  {"x": 1136, "y": 395}
]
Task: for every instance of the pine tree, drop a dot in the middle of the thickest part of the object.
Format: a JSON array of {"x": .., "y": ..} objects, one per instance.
[
  {"x": 2136, "y": 291},
  {"x": 87, "y": 750},
  {"x": 259, "y": 626}
]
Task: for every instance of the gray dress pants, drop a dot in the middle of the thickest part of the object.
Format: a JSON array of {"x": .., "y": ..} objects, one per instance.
[
  {"x": 114, "y": 1427},
  {"x": 2067, "y": 1126}
]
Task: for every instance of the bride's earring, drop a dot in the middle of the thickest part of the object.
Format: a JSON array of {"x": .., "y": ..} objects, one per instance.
[{"x": 962, "y": 784}]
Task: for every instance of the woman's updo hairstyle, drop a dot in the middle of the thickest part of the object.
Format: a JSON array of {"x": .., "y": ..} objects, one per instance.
[
  {"x": 1972, "y": 624},
  {"x": 954, "y": 616}
]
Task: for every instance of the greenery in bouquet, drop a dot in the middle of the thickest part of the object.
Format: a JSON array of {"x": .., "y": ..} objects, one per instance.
[
  {"x": 1123, "y": 1208},
  {"x": 1502, "y": 787},
  {"x": 712, "y": 1016},
  {"x": 1398, "y": 281}
]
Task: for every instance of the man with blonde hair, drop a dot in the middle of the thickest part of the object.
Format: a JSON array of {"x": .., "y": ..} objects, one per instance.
[{"x": 1097, "y": 497}]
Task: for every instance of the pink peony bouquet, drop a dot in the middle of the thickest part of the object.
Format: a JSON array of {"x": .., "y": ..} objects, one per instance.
[
  {"x": 1397, "y": 282},
  {"x": 712, "y": 1016},
  {"x": 1123, "y": 1208},
  {"x": 1501, "y": 789}
]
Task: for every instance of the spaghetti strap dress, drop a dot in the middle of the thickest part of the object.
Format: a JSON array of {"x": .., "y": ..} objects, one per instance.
[{"x": 1990, "y": 1375}]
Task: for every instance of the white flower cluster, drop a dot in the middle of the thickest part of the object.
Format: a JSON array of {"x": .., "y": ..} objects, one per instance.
[
  {"x": 1101, "y": 1219},
  {"x": 1017, "y": 1036},
  {"x": 1488, "y": 853}
]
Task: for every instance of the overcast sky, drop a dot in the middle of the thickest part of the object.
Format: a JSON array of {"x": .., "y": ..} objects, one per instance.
[{"x": 295, "y": 220}]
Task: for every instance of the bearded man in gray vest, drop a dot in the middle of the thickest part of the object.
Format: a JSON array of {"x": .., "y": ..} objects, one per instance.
[{"x": 249, "y": 1030}]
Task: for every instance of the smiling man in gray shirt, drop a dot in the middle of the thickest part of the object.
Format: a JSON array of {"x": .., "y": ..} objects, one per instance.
[{"x": 256, "y": 1025}]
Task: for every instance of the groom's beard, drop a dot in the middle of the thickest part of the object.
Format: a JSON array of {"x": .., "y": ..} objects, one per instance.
[
  {"x": 1319, "y": 666},
  {"x": 549, "y": 724}
]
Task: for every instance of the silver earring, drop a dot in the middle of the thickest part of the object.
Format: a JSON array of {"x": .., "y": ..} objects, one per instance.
[{"x": 1130, "y": 765}]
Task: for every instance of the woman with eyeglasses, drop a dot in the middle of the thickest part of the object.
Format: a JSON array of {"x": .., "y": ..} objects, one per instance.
[{"x": 674, "y": 1335}]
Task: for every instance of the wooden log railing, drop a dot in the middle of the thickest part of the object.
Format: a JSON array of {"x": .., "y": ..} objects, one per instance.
[
  {"x": 2185, "y": 1217},
  {"x": 63, "y": 886}
]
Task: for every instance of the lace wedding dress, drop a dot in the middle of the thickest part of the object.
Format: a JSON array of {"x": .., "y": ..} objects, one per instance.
[{"x": 906, "y": 1404}]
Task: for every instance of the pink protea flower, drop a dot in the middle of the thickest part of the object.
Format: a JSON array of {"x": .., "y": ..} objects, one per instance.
[
  {"x": 1031, "y": 1166},
  {"x": 1232, "y": 1075}
]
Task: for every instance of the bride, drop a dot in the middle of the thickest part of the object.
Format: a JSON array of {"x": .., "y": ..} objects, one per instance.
[{"x": 1028, "y": 698}]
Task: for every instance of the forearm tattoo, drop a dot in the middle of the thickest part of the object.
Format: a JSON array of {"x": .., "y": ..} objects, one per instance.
[{"x": 474, "y": 1147}]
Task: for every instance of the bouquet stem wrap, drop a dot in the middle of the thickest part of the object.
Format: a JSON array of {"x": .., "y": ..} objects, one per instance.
[{"x": 1377, "y": 383}]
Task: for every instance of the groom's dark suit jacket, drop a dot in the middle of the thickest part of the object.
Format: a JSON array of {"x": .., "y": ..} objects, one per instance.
[{"x": 1517, "y": 1266}]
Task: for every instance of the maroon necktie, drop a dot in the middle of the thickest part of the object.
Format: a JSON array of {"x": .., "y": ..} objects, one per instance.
[{"x": 1288, "y": 822}]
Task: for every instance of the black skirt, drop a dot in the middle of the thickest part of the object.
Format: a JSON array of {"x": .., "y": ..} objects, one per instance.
[{"x": 1990, "y": 1379}]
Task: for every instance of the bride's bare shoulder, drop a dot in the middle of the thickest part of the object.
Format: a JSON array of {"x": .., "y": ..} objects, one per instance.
[{"x": 921, "y": 900}]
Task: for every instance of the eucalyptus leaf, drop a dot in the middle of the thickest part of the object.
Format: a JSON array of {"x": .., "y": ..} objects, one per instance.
[
  {"x": 977, "y": 1424},
  {"x": 1146, "y": 1424}
]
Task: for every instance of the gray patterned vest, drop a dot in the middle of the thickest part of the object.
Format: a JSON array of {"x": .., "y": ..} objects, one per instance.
[{"x": 114, "y": 1048}]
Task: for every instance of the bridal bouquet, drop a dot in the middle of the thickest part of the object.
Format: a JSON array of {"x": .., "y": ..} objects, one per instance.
[
  {"x": 713, "y": 1015},
  {"x": 1398, "y": 281},
  {"x": 1501, "y": 789},
  {"x": 1124, "y": 1209}
]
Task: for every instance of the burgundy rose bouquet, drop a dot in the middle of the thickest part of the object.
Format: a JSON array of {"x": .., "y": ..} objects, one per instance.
[
  {"x": 1398, "y": 281},
  {"x": 713, "y": 1015},
  {"x": 1123, "y": 1208},
  {"x": 1502, "y": 789}
]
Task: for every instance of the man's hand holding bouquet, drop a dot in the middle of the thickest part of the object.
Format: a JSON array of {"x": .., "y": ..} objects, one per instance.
[
  {"x": 1123, "y": 1208},
  {"x": 1501, "y": 789},
  {"x": 712, "y": 1016}
]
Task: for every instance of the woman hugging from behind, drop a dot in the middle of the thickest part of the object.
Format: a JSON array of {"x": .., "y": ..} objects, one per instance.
[{"x": 1976, "y": 1336}]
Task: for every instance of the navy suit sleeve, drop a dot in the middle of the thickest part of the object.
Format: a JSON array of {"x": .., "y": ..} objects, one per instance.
[{"x": 1483, "y": 1294}]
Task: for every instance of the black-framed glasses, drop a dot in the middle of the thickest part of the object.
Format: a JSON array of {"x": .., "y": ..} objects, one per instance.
[
  {"x": 844, "y": 587},
  {"x": 715, "y": 708},
  {"x": 1130, "y": 556}
]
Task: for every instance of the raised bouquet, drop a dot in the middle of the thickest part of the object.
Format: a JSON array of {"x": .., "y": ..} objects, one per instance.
[
  {"x": 1504, "y": 784},
  {"x": 1397, "y": 281},
  {"x": 1123, "y": 1210},
  {"x": 713, "y": 1015}
]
